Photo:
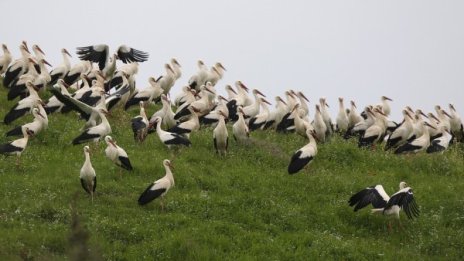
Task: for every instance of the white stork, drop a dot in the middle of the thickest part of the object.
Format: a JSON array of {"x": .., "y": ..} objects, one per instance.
[
  {"x": 60, "y": 71},
  {"x": 326, "y": 116},
  {"x": 83, "y": 67},
  {"x": 23, "y": 106},
  {"x": 419, "y": 144},
  {"x": 187, "y": 127},
  {"x": 376, "y": 132},
  {"x": 259, "y": 120},
  {"x": 252, "y": 110},
  {"x": 240, "y": 128},
  {"x": 353, "y": 117},
  {"x": 17, "y": 67},
  {"x": 176, "y": 67},
  {"x": 165, "y": 113},
  {"x": 342, "y": 118},
  {"x": 18, "y": 87},
  {"x": 276, "y": 116},
  {"x": 199, "y": 78},
  {"x": 5, "y": 59},
  {"x": 305, "y": 155},
  {"x": 457, "y": 128},
  {"x": 203, "y": 105},
  {"x": 187, "y": 95},
  {"x": 319, "y": 125},
  {"x": 140, "y": 124},
  {"x": 87, "y": 174},
  {"x": 35, "y": 127},
  {"x": 167, "y": 81},
  {"x": 160, "y": 187},
  {"x": 220, "y": 135},
  {"x": 401, "y": 134},
  {"x": 117, "y": 154},
  {"x": 385, "y": 105},
  {"x": 169, "y": 139},
  {"x": 216, "y": 73},
  {"x": 146, "y": 95},
  {"x": 383, "y": 204},
  {"x": 16, "y": 147},
  {"x": 95, "y": 133},
  {"x": 441, "y": 143}
]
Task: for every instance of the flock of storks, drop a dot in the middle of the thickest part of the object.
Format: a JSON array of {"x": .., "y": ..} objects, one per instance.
[{"x": 96, "y": 85}]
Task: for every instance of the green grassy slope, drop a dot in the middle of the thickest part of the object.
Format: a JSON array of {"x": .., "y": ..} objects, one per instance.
[{"x": 243, "y": 206}]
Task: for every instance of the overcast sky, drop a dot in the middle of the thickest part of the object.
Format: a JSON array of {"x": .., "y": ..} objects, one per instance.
[{"x": 411, "y": 51}]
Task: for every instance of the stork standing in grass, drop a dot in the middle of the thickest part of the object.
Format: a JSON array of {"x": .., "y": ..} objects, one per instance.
[
  {"x": 95, "y": 133},
  {"x": 220, "y": 135},
  {"x": 169, "y": 139},
  {"x": 18, "y": 146},
  {"x": 36, "y": 126},
  {"x": 302, "y": 157},
  {"x": 160, "y": 187},
  {"x": 117, "y": 154},
  {"x": 140, "y": 124},
  {"x": 87, "y": 175},
  {"x": 383, "y": 204}
]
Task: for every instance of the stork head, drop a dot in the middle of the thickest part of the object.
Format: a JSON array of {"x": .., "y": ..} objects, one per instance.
[
  {"x": 229, "y": 88},
  {"x": 239, "y": 84},
  {"x": 219, "y": 65},
  {"x": 279, "y": 99},
  {"x": 353, "y": 104},
  {"x": 300, "y": 94},
  {"x": 428, "y": 125},
  {"x": 167, "y": 164},
  {"x": 432, "y": 116},
  {"x": 37, "y": 49},
  {"x": 420, "y": 112},
  {"x": 403, "y": 185},
  {"x": 43, "y": 61},
  {"x": 312, "y": 133},
  {"x": 169, "y": 68},
  {"x": 385, "y": 98},
  {"x": 340, "y": 99},
  {"x": 265, "y": 101},
  {"x": 445, "y": 113},
  {"x": 109, "y": 140},
  {"x": 23, "y": 47},
  {"x": 318, "y": 108},
  {"x": 157, "y": 119},
  {"x": 175, "y": 62},
  {"x": 32, "y": 61},
  {"x": 5, "y": 48},
  {"x": 223, "y": 114},
  {"x": 64, "y": 51},
  {"x": 86, "y": 149},
  {"x": 37, "y": 112},
  {"x": 256, "y": 92}
]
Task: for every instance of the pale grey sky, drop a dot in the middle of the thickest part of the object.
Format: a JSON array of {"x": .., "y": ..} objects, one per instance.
[{"x": 411, "y": 51}]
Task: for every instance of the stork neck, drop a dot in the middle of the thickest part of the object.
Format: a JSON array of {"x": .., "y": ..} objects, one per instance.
[
  {"x": 66, "y": 61},
  {"x": 87, "y": 158}
]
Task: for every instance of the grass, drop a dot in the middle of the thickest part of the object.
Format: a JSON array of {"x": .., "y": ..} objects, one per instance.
[{"x": 243, "y": 206}]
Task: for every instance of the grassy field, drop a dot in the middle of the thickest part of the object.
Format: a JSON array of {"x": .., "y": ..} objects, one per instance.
[{"x": 244, "y": 206}]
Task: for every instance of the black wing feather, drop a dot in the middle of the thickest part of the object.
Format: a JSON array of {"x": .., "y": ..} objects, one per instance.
[
  {"x": 88, "y": 53},
  {"x": 133, "y": 55},
  {"x": 365, "y": 197},
  {"x": 297, "y": 163},
  {"x": 148, "y": 195},
  {"x": 405, "y": 200}
]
